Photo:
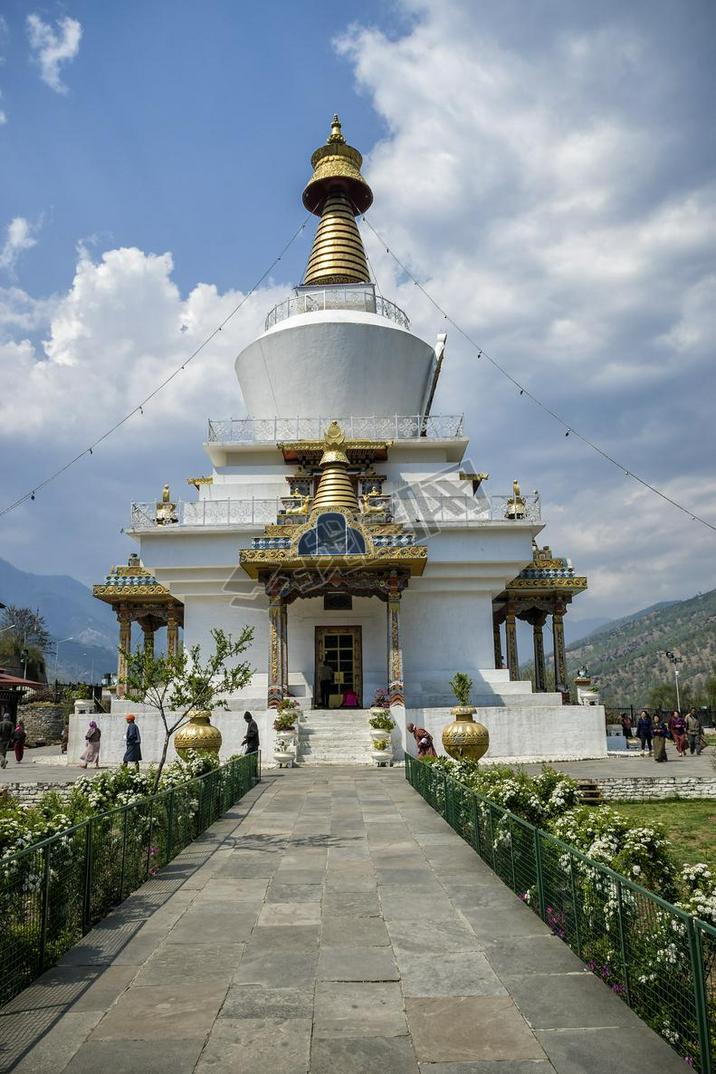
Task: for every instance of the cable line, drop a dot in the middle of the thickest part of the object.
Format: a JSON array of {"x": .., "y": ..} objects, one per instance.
[
  {"x": 570, "y": 430},
  {"x": 138, "y": 409}
]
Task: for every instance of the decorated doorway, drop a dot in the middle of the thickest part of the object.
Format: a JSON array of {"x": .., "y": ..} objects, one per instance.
[{"x": 339, "y": 648}]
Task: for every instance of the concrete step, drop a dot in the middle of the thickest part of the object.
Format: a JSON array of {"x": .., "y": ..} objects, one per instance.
[{"x": 334, "y": 737}]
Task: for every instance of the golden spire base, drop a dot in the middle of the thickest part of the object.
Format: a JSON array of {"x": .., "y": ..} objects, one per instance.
[{"x": 337, "y": 192}]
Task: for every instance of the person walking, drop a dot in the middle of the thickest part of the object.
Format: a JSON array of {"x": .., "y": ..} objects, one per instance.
[
  {"x": 660, "y": 734},
  {"x": 90, "y": 753},
  {"x": 251, "y": 738},
  {"x": 325, "y": 680},
  {"x": 694, "y": 732},
  {"x": 677, "y": 727},
  {"x": 19, "y": 738},
  {"x": 133, "y": 752},
  {"x": 625, "y": 721},
  {"x": 7, "y": 731},
  {"x": 643, "y": 730},
  {"x": 64, "y": 738},
  {"x": 423, "y": 740}
]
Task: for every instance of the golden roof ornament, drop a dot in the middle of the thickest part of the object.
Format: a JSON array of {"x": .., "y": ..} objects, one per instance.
[
  {"x": 337, "y": 192},
  {"x": 516, "y": 506}
]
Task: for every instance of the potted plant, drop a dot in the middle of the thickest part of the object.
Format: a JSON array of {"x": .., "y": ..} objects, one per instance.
[
  {"x": 381, "y": 725},
  {"x": 461, "y": 686},
  {"x": 284, "y": 751},
  {"x": 381, "y": 751},
  {"x": 464, "y": 739},
  {"x": 380, "y": 702}
]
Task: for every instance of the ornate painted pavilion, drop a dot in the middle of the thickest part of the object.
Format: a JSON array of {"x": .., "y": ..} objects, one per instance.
[
  {"x": 544, "y": 588},
  {"x": 137, "y": 597}
]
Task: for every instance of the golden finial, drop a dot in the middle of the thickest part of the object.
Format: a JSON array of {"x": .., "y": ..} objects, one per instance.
[
  {"x": 333, "y": 436},
  {"x": 335, "y": 135}
]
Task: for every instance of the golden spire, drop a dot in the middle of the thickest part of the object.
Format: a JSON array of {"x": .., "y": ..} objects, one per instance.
[
  {"x": 337, "y": 192},
  {"x": 335, "y": 489}
]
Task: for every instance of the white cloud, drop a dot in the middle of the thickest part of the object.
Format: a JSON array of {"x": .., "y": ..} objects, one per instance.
[
  {"x": 551, "y": 210},
  {"x": 51, "y": 48},
  {"x": 19, "y": 237},
  {"x": 110, "y": 339}
]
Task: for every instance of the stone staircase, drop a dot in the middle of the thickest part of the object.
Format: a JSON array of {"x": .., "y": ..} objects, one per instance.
[
  {"x": 334, "y": 736},
  {"x": 589, "y": 793}
]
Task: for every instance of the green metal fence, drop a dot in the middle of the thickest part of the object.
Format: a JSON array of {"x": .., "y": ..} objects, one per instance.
[
  {"x": 53, "y": 892},
  {"x": 657, "y": 958}
]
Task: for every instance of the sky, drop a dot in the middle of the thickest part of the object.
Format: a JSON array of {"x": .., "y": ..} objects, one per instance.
[{"x": 546, "y": 170}]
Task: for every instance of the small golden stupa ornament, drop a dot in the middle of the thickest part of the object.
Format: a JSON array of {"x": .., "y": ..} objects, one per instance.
[
  {"x": 464, "y": 739},
  {"x": 199, "y": 735},
  {"x": 335, "y": 489}
]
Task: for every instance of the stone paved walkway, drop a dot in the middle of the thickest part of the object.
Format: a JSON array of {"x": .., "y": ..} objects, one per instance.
[{"x": 331, "y": 922}]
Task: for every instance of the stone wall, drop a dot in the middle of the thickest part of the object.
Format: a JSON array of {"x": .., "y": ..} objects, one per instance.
[
  {"x": 43, "y": 722},
  {"x": 29, "y": 794},
  {"x": 652, "y": 789}
]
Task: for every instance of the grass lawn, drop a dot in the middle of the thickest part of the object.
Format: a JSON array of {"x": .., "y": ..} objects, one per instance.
[{"x": 690, "y": 825}]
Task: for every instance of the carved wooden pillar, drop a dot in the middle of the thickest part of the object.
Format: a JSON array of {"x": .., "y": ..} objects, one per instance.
[
  {"x": 538, "y": 621},
  {"x": 396, "y": 686},
  {"x": 172, "y": 632},
  {"x": 284, "y": 648},
  {"x": 125, "y": 644},
  {"x": 497, "y": 638},
  {"x": 560, "y": 655},
  {"x": 513, "y": 660},
  {"x": 148, "y": 639},
  {"x": 277, "y": 654}
]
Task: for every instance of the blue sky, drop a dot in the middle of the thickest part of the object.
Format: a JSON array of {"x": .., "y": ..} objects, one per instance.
[
  {"x": 546, "y": 168},
  {"x": 186, "y": 127}
]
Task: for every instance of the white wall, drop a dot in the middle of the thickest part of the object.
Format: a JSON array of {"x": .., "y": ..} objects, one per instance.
[
  {"x": 335, "y": 364},
  {"x": 114, "y": 726},
  {"x": 524, "y": 732}
]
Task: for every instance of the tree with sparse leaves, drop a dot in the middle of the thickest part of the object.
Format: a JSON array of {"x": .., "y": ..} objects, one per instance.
[
  {"x": 179, "y": 685},
  {"x": 24, "y": 639}
]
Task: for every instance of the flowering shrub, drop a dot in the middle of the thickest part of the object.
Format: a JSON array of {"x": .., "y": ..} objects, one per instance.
[
  {"x": 535, "y": 799},
  {"x": 381, "y": 699},
  {"x": 109, "y": 836},
  {"x": 638, "y": 946},
  {"x": 90, "y": 795}
]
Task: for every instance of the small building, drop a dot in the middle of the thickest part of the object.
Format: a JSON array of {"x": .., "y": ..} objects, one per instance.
[{"x": 137, "y": 597}]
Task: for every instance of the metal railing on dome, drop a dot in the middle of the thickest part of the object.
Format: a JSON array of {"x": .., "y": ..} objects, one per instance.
[
  {"x": 55, "y": 891},
  {"x": 358, "y": 299},
  {"x": 657, "y": 958},
  {"x": 283, "y": 430},
  {"x": 418, "y": 507}
]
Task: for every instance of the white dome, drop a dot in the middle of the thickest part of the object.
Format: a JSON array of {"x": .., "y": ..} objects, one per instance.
[{"x": 335, "y": 362}]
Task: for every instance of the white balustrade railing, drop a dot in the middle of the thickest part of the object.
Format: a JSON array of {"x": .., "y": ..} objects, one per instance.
[
  {"x": 361, "y": 299},
  {"x": 415, "y": 506},
  {"x": 390, "y": 427}
]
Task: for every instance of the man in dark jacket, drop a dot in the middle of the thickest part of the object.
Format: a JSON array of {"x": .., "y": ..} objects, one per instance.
[
  {"x": 133, "y": 752},
  {"x": 251, "y": 740},
  {"x": 7, "y": 731}
]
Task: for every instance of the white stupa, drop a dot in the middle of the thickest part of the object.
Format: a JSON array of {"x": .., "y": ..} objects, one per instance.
[{"x": 339, "y": 522}]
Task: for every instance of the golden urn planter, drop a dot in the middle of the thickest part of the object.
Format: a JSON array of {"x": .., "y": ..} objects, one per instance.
[
  {"x": 199, "y": 735},
  {"x": 464, "y": 739}
]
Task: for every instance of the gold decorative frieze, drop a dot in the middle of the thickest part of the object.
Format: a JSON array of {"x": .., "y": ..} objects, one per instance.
[{"x": 255, "y": 561}]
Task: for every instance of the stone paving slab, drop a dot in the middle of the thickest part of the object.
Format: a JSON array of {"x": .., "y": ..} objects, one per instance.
[{"x": 330, "y": 922}]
